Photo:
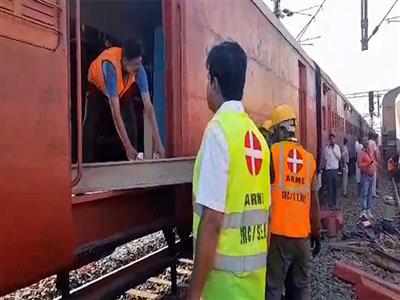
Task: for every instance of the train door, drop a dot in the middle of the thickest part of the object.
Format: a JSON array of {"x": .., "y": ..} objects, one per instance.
[
  {"x": 35, "y": 175},
  {"x": 303, "y": 102}
]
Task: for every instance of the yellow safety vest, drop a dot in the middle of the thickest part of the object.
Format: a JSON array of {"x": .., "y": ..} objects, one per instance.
[{"x": 240, "y": 264}]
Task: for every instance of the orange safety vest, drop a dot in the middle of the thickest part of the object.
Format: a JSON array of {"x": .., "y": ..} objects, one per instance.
[
  {"x": 96, "y": 76},
  {"x": 291, "y": 192}
]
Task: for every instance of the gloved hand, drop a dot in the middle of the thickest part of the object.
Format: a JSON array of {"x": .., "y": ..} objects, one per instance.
[{"x": 315, "y": 244}]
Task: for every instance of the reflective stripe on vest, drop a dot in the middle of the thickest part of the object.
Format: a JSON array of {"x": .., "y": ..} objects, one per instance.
[
  {"x": 294, "y": 169},
  {"x": 240, "y": 261},
  {"x": 96, "y": 76},
  {"x": 237, "y": 220}
]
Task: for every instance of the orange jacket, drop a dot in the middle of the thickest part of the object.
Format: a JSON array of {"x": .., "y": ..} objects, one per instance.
[
  {"x": 96, "y": 76},
  {"x": 291, "y": 192}
]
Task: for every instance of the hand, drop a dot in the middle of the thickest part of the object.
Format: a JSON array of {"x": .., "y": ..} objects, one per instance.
[
  {"x": 159, "y": 151},
  {"x": 315, "y": 244},
  {"x": 131, "y": 152}
]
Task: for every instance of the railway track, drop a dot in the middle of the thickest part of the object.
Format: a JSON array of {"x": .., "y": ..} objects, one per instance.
[
  {"x": 360, "y": 249},
  {"x": 161, "y": 286},
  {"x": 149, "y": 251}
]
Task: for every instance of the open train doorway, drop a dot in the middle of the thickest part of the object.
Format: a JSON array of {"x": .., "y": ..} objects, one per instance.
[{"x": 106, "y": 24}]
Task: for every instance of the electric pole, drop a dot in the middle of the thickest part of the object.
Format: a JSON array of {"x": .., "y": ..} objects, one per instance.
[{"x": 364, "y": 25}]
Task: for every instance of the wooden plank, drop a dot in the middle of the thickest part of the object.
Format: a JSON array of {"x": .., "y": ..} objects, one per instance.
[
  {"x": 131, "y": 175},
  {"x": 142, "y": 294},
  {"x": 184, "y": 272},
  {"x": 159, "y": 281},
  {"x": 186, "y": 261}
]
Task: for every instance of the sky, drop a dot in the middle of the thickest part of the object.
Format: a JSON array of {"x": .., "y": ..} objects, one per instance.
[{"x": 338, "y": 51}]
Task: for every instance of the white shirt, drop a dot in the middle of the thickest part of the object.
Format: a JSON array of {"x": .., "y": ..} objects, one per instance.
[
  {"x": 345, "y": 154},
  {"x": 332, "y": 157},
  {"x": 214, "y": 168},
  {"x": 358, "y": 148}
]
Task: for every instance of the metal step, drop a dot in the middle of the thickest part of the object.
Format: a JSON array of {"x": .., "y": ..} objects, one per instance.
[{"x": 116, "y": 176}]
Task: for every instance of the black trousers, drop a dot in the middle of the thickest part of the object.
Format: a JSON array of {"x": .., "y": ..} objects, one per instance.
[
  {"x": 288, "y": 266},
  {"x": 101, "y": 142},
  {"x": 332, "y": 191}
]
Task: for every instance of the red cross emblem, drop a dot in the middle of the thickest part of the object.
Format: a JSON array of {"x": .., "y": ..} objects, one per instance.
[
  {"x": 254, "y": 155},
  {"x": 294, "y": 161}
]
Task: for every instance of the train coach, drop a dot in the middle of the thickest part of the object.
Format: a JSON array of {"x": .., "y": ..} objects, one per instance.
[{"x": 58, "y": 213}]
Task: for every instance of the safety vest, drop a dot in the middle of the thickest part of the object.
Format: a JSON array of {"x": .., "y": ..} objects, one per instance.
[
  {"x": 291, "y": 192},
  {"x": 96, "y": 75},
  {"x": 240, "y": 263}
]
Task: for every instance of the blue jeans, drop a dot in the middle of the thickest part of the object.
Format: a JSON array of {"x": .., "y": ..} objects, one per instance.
[
  {"x": 366, "y": 196},
  {"x": 331, "y": 182}
]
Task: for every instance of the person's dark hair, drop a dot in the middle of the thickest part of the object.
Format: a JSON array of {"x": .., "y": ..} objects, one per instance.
[
  {"x": 332, "y": 135},
  {"x": 345, "y": 141},
  {"x": 228, "y": 62},
  {"x": 132, "y": 48},
  {"x": 371, "y": 135},
  {"x": 395, "y": 157}
]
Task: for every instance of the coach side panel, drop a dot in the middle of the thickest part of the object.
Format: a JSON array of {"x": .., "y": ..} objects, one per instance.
[
  {"x": 272, "y": 73},
  {"x": 35, "y": 179}
]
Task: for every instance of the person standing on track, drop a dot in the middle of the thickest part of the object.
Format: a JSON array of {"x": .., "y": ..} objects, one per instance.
[
  {"x": 345, "y": 168},
  {"x": 373, "y": 149},
  {"x": 332, "y": 159},
  {"x": 231, "y": 189},
  {"x": 367, "y": 164},
  {"x": 111, "y": 79},
  {"x": 358, "y": 147},
  {"x": 294, "y": 212}
]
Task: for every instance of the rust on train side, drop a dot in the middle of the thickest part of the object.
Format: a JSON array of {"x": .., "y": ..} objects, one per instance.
[{"x": 35, "y": 169}]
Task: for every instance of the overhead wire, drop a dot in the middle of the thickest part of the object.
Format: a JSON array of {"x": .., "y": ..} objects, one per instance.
[
  {"x": 303, "y": 31},
  {"x": 383, "y": 19}
]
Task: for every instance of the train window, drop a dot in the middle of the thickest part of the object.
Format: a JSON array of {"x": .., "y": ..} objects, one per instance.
[
  {"x": 106, "y": 24},
  {"x": 323, "y": 118},
  {"x": 34, "y": 22}
]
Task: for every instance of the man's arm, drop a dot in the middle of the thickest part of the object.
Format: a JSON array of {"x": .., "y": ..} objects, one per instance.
[
  {"x": 206, "y": 247},
  {"x": 110, "y": 80},
  {"x": 211, "y": 194},
  {"x": 141, "y": 79}
]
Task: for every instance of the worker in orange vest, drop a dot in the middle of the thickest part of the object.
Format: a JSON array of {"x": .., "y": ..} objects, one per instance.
[
  {"x": 111, "y": 78},
  {"x": 294, "y": 211}
]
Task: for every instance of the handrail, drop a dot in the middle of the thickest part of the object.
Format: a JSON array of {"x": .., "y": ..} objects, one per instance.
[{"x": 79, "y": 91}]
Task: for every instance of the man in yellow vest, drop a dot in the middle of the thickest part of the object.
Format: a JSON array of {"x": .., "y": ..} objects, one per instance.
[
  {"x": 294, "y": 211},
  {"x": 231, "y": 189},
  {"x": 111, "y": 85}
]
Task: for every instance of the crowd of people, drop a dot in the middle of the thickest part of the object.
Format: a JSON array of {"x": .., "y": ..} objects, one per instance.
[{"x": 367, "y": 160}]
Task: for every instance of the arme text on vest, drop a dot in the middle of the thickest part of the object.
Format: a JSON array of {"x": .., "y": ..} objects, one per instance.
[
  {"x": 295, "y": 179},
  {"x": 254, "y": 199}
]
